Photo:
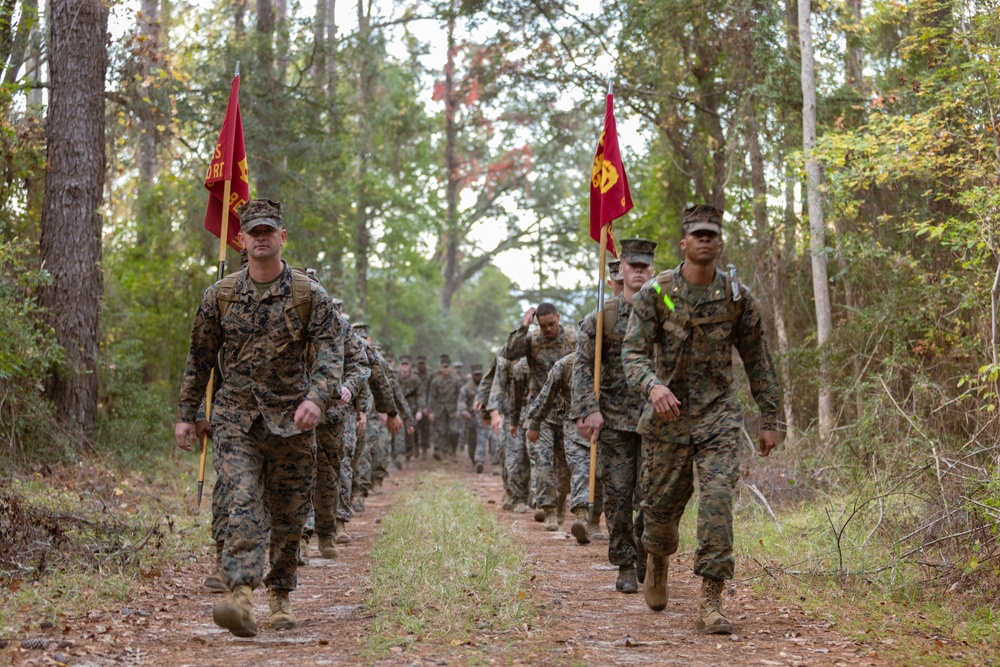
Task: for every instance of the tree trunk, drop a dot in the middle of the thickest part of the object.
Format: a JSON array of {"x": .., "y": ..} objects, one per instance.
[
  {"x": 452, "y": 234},
  {"x": 149, "y": 27},
  {"x": 366, "y": 79},
  {"x": 19, "y": 44},
  {"x": 854, "y": 57},
  {"x": 265, "y": 89},
  {"x": 817, "y": 227},
  {"x": 74, "y": 190}
]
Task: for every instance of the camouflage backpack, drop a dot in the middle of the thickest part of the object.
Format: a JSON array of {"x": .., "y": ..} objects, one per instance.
[
  {"x": 666, "y": 278},
  {"x": 302, "y": 280},
  {"x": 538, "y": 342}
]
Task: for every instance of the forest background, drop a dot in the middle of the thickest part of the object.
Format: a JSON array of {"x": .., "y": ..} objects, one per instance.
[{"x": 421, "y": 143}]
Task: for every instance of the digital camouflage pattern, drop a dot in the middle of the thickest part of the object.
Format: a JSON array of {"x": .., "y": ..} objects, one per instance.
[
  {"x": 540, "y": 353},
  {"x": 263, "y": 347},
  {"x": 548, "y": 463},
  {"x": 619, "y": 455},
  {"x": 551, "y": 403},
  {"x": 349, "y": 447},
  {"x": 442, "y": 401},
  {"x": 512, "y": 381},
  {"x": 694, "y": 360},
  {"x": 620, "y": 405},
  {"x": 416, "y": 399}
]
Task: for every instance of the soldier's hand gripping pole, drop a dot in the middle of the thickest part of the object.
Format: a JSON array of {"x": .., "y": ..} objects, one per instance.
[
  {"x": 204, "y": 438},
  {"x": 598, "y": 350}
]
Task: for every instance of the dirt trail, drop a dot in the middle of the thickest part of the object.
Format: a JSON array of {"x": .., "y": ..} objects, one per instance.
[{"x": 582, "y": 619}]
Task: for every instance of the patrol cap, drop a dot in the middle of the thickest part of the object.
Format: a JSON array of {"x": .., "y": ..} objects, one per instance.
[
  {"x": 458, "y": 364},
  {"x": 404, "y": 359},
  {"x": 615, "y": 270},
  {"x": 476, "y": 368},
  {"x": 421, "y": 359},
  {"x": 363, "y": 329},
  {"x": 702, "y": 217},
  {"x": 637, "y": 251},
  {"x": 445, "y": 360},
  {"x": 257, "y": 212}
]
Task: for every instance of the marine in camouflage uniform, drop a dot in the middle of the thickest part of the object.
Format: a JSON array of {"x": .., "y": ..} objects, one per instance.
[
  {"x": 506, "y": 397},
  {"x": 442, "y": 403},
  {"x": 268, "y": 404},
  {"x": 477, "y": 434},
  {"x": 616, "y": 417},
  {"x": 696, "y": 316},
  {"x": 395, "y": 442},
  {"x": 542, "y": 348},
  {"x": 334, "y": 436},
  {"x": 550, "y": 404},
  {"x": 423, "y": 430},
  {"x": 416, "y": 398}
]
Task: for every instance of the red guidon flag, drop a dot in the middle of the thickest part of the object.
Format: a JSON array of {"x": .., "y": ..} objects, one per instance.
[
  {"x": 609, "y": 194},
  {"x": 229, "y": 151}
]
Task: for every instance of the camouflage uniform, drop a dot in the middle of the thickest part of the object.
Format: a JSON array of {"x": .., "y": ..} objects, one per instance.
[
  {"x": 619, "y": 445},
  {"x": 551, "y": 403},
  {"x": 333, "y": 440},
  {"x": 397, "y": 443},
  {"x": 265, "y": 347},
  {"x": 477, "y": 434},
  {"x": 416, "y": 399},
  {"x": 695, "y": 360},
  {"x": 442, "y": 401},
  {"x": 375, "y": 454},
  {"x": 518, "y": 461},
  {"x": 423, "y": 430},
  {"x": 547, "y": 458}
]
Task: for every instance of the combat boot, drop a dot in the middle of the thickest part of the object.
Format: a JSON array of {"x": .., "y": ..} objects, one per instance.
[
  {"x": 357, "y": 504},
  {"x": 594, "y": 528},
  {"x": 655, "y": 587},
  {"x": 521, "y": 508},
  {"x": 561, "y": 509},
  {"x": 237, "y": 615},
  {"x": 327, "y": 549},
  {"x": 507, "y": 503},
  {"x": 216, "y": 582},
  {"x": 539, "y": 515},
  {"x": 579, "y": 529},
  {"x": 710, "y": 617},
  {"x": 376, "y": 487},
  {"x": 282, "y": 617},
  {"x": 626, "y": 579},
  {"x": 304, "y": 550},
  {"x": 343, "y": 537},
  {"x": 479, "y": 468},
  {"x": 551, "y": 524}
]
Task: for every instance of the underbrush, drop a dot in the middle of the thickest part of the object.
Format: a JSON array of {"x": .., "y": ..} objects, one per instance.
[{"x": 76, "y": 538}]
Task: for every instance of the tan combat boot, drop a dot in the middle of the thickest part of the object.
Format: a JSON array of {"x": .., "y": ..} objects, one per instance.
[
  {"x": 237, "y": 615},
  {"x": 594, "y": 528},
  {"x": 654, "y": 589},
  {"x": 521, "y": 508},
  {"x": 343, "y": 537},
  {"x": 539, "y": 515},
  {"x": 376, "y": 487},
  {"x": 282, "y": 617},
  {"x": 710, "y": 618},
  {"x": 507, "y": 504},
  {"x": 304, "y": 550},
  {"x": 550, "y": 524},
  {"x": 626, "y": 579},
  {"x": 579, "y": 529},
  {"x": 561, "y": 509},
  {"x": 216, "y": 582},
  {"x": 327, "y": 549}
]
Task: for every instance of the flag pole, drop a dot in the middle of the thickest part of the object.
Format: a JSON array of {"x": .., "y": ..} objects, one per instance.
[
  {"x": 220, "y": 274},
  {"x": 598, "y": 351}
]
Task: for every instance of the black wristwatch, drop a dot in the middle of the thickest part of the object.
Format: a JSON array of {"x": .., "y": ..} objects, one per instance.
[{"x": 392, "y": 413}]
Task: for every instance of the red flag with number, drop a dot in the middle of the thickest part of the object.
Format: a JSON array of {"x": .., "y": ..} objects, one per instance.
[
  {"x": 609, "y": 194},
  {"x": 229, "y": 151}
]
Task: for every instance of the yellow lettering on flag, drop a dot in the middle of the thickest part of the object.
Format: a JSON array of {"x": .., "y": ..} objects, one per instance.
[
  {"x": 218, "y": 151},
  {"x": 242, "y": 164}
]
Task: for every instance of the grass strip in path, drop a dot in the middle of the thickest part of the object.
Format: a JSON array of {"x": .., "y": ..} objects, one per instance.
[{"x": 446, "y": 576}]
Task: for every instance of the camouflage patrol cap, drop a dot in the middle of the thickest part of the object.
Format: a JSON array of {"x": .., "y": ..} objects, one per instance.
[
  {"x": 404, "y": 359},
  {"x": 459, "y": 364},
  {"x": 363, "y": 329},
  {"x": 445, "y": 360},
  {"x": 615, "y": 270},
  {"x": 421, "y": 359},
  {"x": 476, "y": 368},
  {"x": 257, "y": 212},
  {"x": 701, "y": 217},
  {"x": 637, "y": 251}
]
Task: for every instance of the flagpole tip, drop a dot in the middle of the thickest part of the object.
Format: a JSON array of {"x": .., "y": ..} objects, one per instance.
[
  {"x": 610, "y": 84},
  {"x": 238, "y": 69}
]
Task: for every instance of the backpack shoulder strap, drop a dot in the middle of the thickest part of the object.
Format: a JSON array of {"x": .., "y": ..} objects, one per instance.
[
  {"x": 301, "y": 294},
  {"x": 664, "y": 281},
  {"x": 610, "y": 315},
  {"x": 225, "y": 295},
  {"x": 567, "y": 371}
]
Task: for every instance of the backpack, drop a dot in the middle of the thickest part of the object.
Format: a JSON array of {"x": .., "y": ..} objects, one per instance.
[
  {"x": 538, "y": 342},
  {"x": 302, "y": 280},
  {"x": 663, "y": 282}
]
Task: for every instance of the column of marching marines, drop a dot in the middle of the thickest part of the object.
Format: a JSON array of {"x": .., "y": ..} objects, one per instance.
[{"x": 311, "y": 416}]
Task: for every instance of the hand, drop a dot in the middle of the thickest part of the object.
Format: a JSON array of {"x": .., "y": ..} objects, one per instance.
[
  {"x": 202, "y": 429},
  {"x": 458, "y": 414},
  {"x": 307, "y": 416},
  {"x": 590, "y": 426},
  {"x": 383, "y": 417},
  {"x": 496, "y": 421},
  {"x": 419, "y": 415},
  {"x": 667, "y": 407},
  {"x": 395, "y": 424},
  {"x": 768, "y": 441},
  {"x": 409, "y": 431},
  {"x": 477, "y": 405},
  {"x": 430, "y": 417},
  {"x": 513, "y": 431},
  {"x": 184, "y": 435},
  {"x": 529, "y": 317},
  {"x": 467, "y": 415},
  {"x": 362, "y": 422},
  {"x": 345, "y": 395},
  {"x": 533, "y": 435}
]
